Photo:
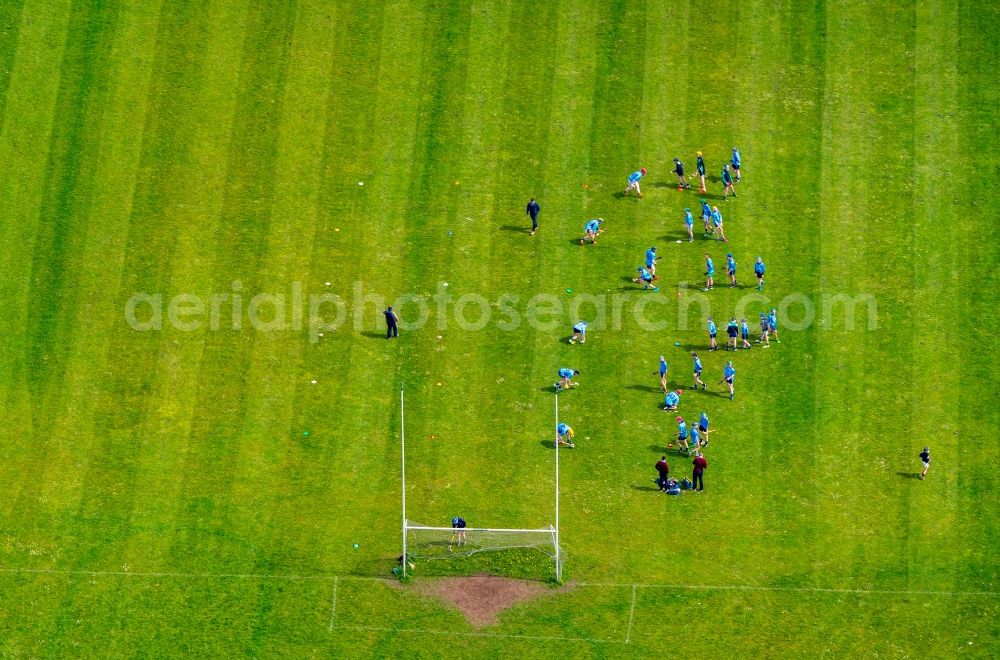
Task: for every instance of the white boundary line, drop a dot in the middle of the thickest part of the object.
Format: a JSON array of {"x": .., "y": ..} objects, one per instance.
[
  {"x": 368, "y": 578},
  {"x": 741, "y": 587},
  {"x": 631, "y": 615},
  {"x": 453, "y": 633},
  {"x": 333, "y": 608}
]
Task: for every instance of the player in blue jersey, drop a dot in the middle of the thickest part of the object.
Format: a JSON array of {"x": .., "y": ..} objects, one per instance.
[
  {"x": 696, "y": 439},
  {"x": 731, "y": 269},
  {"x": 697, "y": 373},
  {"x": 745, "y": 333},
  {"x": 700, "y": 166},
  {"x": 663, "y": 373},
  {"x": 591, "y": 229},
  {"x": 565, "y": 379},
  {"x": 758, "y": 270},
  {"x": 672, "y": 400},
  {"x": 633, "y": 181},
  {"x": 651, "y": 260},
  {"x": 765, "y": 331},
  {"x": 689, "y": 224},
  {"x": 703, "y": 428},
  {"x": 709, "y": 273},
  {"x": 682, "y": 182},
  {"x": 564, "y": 435},
  {"x": 682, "y": 435},
  {"x": 727, "y": 182},
  {"x": 736, "y": 161},
  {"x": 729, "y": 378},
  {"x": 579, "y": 333},
  {"x": 717, "y": 229},
  {"x": 772, "y": 322},
  {"x": 646, "y": 279},
  {"x": 706, "y": 217},
  {"x": 713, "y": 345}
]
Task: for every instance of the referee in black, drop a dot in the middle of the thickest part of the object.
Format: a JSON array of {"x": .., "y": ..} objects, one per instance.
[
  {"x": 532, "y": 210},
  {"x": 391, "y": 330}
]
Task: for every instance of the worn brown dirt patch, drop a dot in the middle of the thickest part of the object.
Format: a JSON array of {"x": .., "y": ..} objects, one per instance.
[{"x": 481, "y": 598}]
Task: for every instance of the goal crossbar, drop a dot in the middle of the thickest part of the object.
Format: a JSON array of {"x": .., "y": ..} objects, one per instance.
[{"x": 541, "y": 530}]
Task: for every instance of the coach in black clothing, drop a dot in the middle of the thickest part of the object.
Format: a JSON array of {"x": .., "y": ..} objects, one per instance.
[
  {"x": 391, "y": 330},
  {"x": 532, "y": 210}
]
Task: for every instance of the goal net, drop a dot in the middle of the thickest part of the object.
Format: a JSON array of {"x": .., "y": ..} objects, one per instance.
[{"x": 527, "y": 553}]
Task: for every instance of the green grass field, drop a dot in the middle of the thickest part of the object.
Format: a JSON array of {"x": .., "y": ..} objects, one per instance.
[{"x": 190, "y": 492}]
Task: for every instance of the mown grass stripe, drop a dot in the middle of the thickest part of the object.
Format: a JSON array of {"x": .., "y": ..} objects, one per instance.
[
  {"x": 220, "y": 444},
  {"x": 66, "y": 199},
  {"x": 107, "y": 180},
  {"x": 974, "y": 276},
  {"x": 27, "y": 125},
  {"x": 193, "y": 210},
  {"x": 125, "y": 412},
  {"x": 10, "y": 25}
]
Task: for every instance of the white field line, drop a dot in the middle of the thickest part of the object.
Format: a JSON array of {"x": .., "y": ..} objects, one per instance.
[
  {"x": 453, "y": 633},
  {"x": 742, "y": 587},
  {"x": 631, "y": 616},
  {"x": 333, "y": 607},
  {"x": 367, "y": 578}
]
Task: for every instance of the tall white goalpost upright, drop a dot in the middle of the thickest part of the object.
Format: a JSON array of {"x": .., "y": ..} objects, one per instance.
[
  {"x": 558, "y": 553},
  {"x": 439, "y": 542},
  {"x": 402, "y": 458}
]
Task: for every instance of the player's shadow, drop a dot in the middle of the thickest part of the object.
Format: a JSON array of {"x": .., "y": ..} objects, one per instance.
[
  {"x": 549, "y": 444},
  {"x": 374, "y": 335},
  {"x": 648, "y": 489},
  {"x": 663, "y": 184},
  {"x": 516, "y": 229},
  {"x": 547, "y": 390},
  {"x": 679, "y": 235},
  {"x": 576, "y": 242},
  {"x": 909, "y": 475}
]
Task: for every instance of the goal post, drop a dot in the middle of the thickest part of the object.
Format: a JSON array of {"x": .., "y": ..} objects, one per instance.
[
  {"x": 528, "y": 553},
  {"x": 523, "y": 551}
]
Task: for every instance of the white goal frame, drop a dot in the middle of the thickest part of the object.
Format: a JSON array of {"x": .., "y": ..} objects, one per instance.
[{"x": 552, "y": 530}]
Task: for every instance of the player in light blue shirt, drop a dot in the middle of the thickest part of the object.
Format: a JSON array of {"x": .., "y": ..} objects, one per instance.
[
  {"x": 736, "y": 162},
  {"x": 695, "y": 439},
  {"x": 645, "y": 278},
  {"x": 689, "y": 224},
  {"x": 731, "y": 269},
  {"x": 564, "y": 435},
  {"x": 633, "y": 181},
  {"x": 745, "y": 333},
  {"x": 758, "y": 270},
  {"x": 682, "y": 435},
  {"x": 703, "y": 423},
  {"x": 651, "y": 259},
  {"x": 671, "y": 401},
  {"x": 565, "y": 379},
  {"x": 717, "y": 229},
  {"x": 706, "y": 216},
  {"x": 713, "y": 345},
  {"x": 772, "y": 322},
  {"x": 663, "y": 373},
  {"x": 579, "y": 333},
  {"x": 729, "y": 378},
  {"x": 592, "y": 229},
  {"x": 697, "y": 372},
  {"x": 709, "y": 273}
]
